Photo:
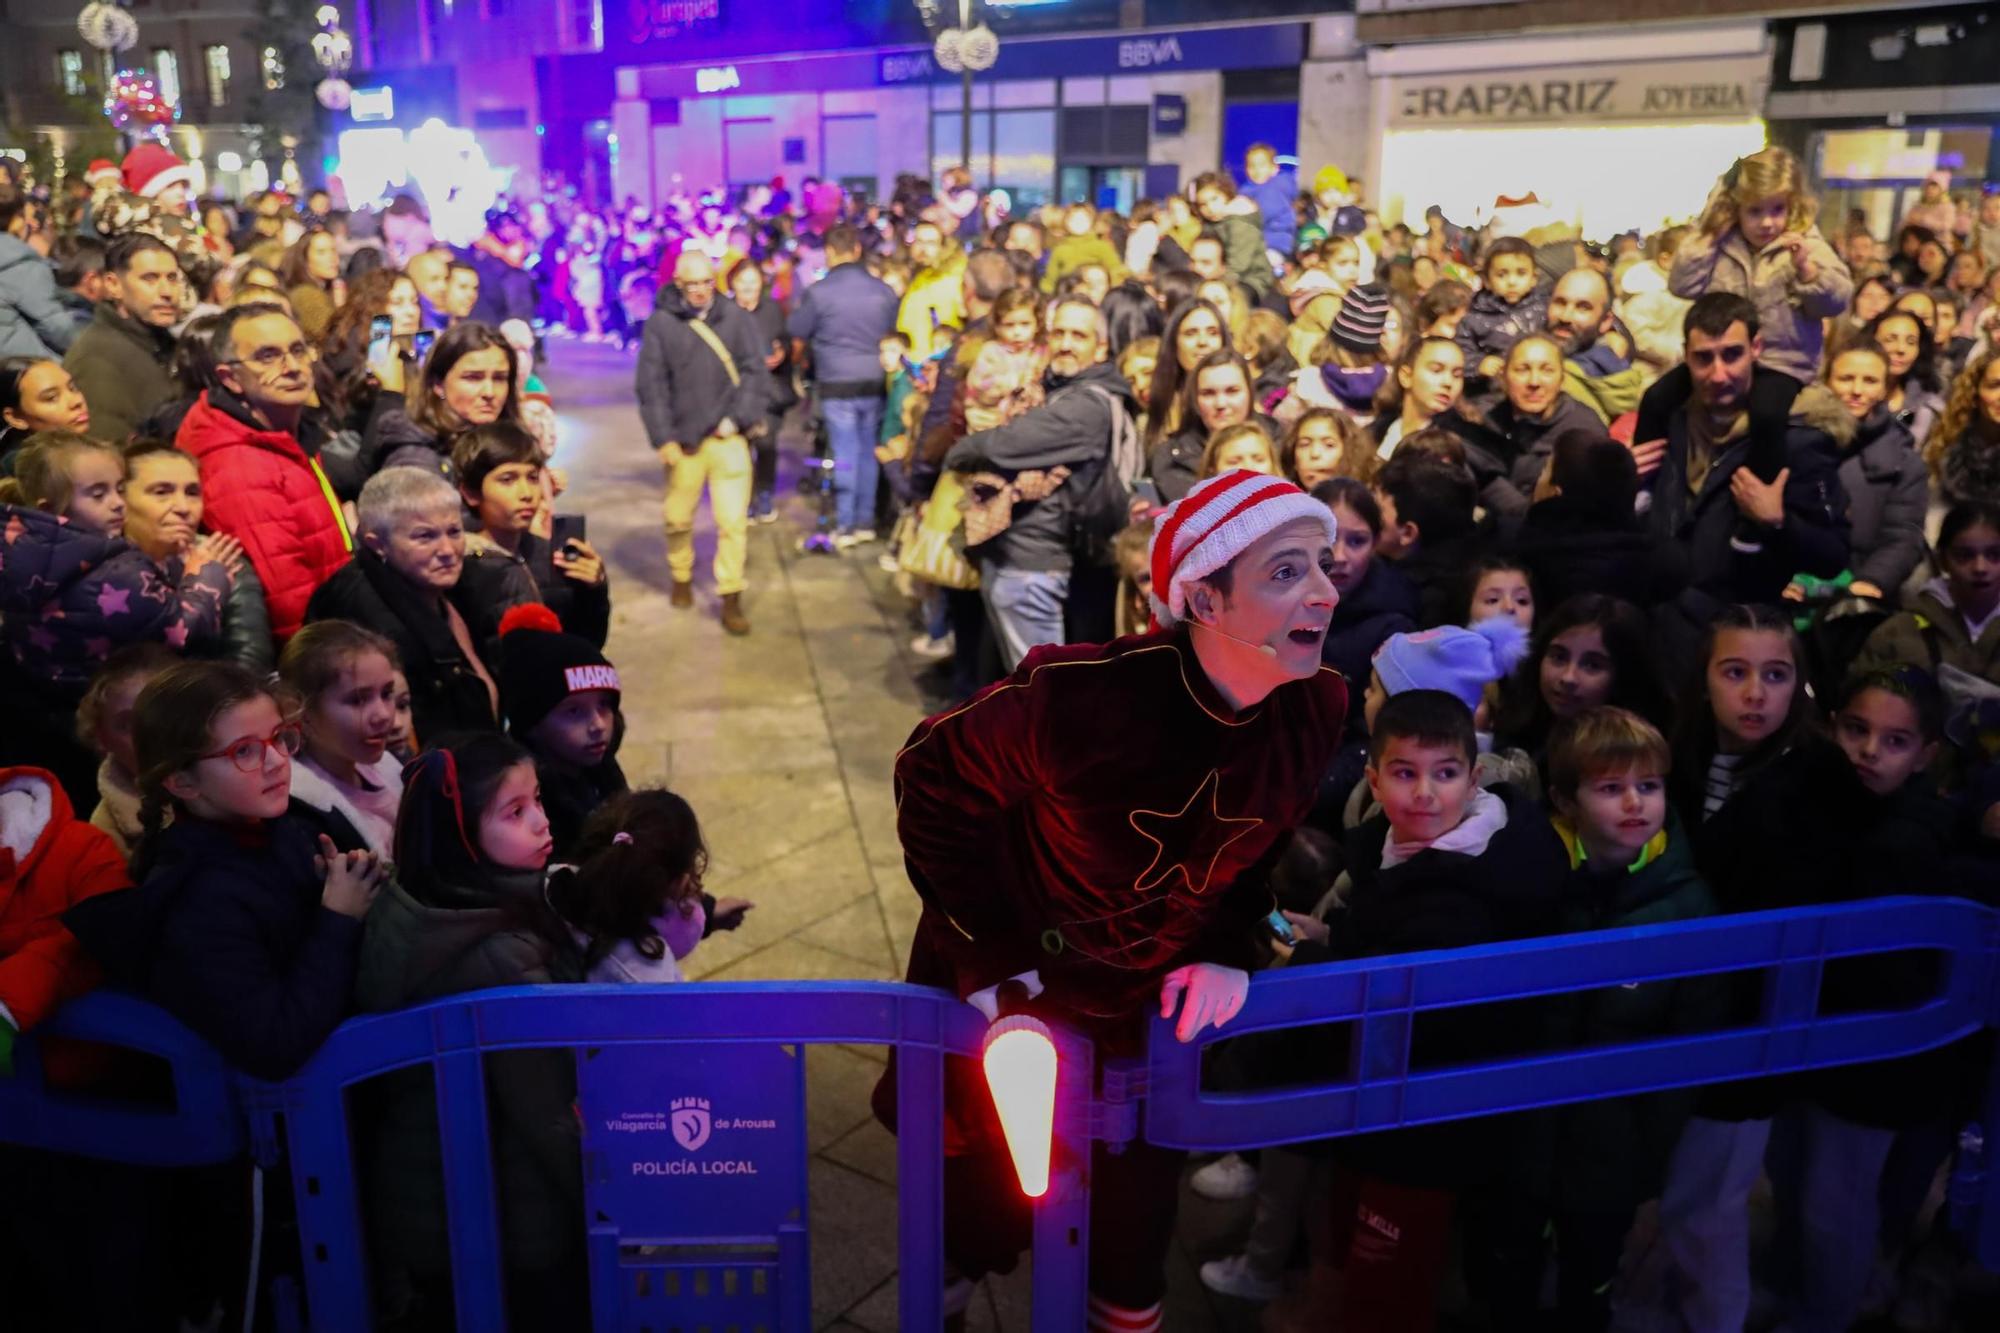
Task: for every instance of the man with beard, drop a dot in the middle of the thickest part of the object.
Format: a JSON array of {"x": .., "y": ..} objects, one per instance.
[
  {"x": 120, "y": 358},
  {"x": 1595, "y": 372}
]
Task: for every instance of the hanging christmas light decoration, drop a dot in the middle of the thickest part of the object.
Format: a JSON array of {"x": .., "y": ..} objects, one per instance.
[
  {"x": 978, "y": 48},
  {"x": 948, "y": 51},
  {"x": 107, "y": 27},
  {"x": 135, "y": 105},
  {"x": 335, "y": 94}
]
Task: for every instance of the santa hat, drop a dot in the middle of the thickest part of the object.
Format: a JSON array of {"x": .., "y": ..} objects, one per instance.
[
  {"x": 151, "y": 168},
  {"x": 1216, "y": 522},
  {"x": 101, "y": 171},
  {"x": 540, "y": 666},
  {"x": 1461, "y": 662}
]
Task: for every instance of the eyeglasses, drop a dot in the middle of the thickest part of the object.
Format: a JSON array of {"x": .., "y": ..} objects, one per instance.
[
  {"x": 268, "y": 359},
  {"x": 248, "y": 753}
]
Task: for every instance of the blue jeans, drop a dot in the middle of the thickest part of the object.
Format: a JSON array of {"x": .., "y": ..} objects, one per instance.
[
  {"x": 1025, "y": 606},
  {"x": 852, "y": 425}
]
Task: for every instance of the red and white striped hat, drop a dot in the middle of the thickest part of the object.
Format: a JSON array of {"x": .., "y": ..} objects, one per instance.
[{"x": 1216, "y": 522}]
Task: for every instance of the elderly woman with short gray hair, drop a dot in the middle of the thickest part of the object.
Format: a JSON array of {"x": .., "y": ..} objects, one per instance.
[{"x": 407, "y": 581}]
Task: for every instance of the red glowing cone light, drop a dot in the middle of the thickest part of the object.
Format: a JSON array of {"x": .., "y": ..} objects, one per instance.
[{"x": 1020, "y": 1065}]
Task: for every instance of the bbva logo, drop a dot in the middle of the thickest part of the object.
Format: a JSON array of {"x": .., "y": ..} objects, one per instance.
[
  {"x": 1141, "y": 52},
  {"x": 688, "y": 1116}
]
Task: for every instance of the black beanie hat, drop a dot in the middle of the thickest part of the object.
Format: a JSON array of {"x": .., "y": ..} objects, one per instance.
[{"x": 540, "y": 666}]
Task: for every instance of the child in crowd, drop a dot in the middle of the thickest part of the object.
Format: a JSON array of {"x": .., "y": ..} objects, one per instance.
[
  {"x": 1630, "y": 865},
  {"x": 1589, "y": 651},
  {"x": 634, "y": 898},
  {"x": 1428, "y": 525},
  {"x": 1006, "y": 376},
  {"x": 73, "y": 590},
  {"x": 1131, "y": 548},
  {"x": 1376, "y": 601},
  {"x": 344, "y": 678},
  {"x": 501, "y": 478},
  {"x": 403, "y": 731},
  {"x": 1510, "y": 304},
  {"x": 467, "y": 912},
  {"x": 1954, "y": 620},
  {"x": 1582, "y": 533},
  {"x": 1319, "y": 445},
  {"x": 1446, "y": 864},
  {"x": 245, "y": 925},
  {"x": 560, "y": 696},
  {"x": 1501, "y": 586},
  {"x": 104, "y": 723},
  {"x": 1244, "y": 445}
]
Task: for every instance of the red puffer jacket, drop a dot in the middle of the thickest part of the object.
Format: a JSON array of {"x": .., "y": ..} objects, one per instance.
[
  {"x": 49, "y": 861},
  {"x": 265, "y": 490}
]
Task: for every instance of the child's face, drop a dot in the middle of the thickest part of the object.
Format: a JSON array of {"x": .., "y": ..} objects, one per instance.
[
  {"x": 1353, "y": 550},
  {"x": 1423, "y": 789},
  {"x": 1017, "y": 331},
  {"x": 1510, "y": 277},
  {"x": 513, "y": 831},
  {"x": 578, "y": 730},
  {"x": 1250, "y": 452},
  {"x": 1395, "y": 538},
  {"x": 1617, "y": 814},
  {"x": 97, "y": 500},
  {"x": 1751, "y": 680},
  {"x": 1372, "y": 701},
  {"x": 242, "y": 779},
  {"x": 114, "y": 727},
  {"x": 1316, "y": 455},
  {"x": 400, "y": 733},
  {"x": 1436, "y": 379},
  {"x": 509, "y": 497},
  {"x": 891, "y": 353},
  {"x": 1504, "y": 592},
  {"x": 1972, "y": 569},
  {"x": 1577, "y": 671},
  {"x": 353, "y": 720},
  {"x": 1343, "y": 265},
  {"x": 1883, "y": 739},
  {"x": 1138, "y": 368},
  {"x": 1763, "y": 221}
]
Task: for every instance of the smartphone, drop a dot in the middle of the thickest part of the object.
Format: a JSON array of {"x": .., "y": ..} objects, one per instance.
[
  {"x": 1148, "y": 491},
  {"x": 420, "y": 345},
  {"x": 380, "y": 329},
  {"x": 565, "y": 529},
  {"x": 1280, "y": 928}
]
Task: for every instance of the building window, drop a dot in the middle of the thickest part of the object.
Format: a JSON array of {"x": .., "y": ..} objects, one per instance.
[
  {"x": 274, "y": 70},
  {"x": 167, "y": 74},
  {"x": 69, "y": 72},
  {"x": 216, "y": 60},
  {"x": 587, "y": 23}
]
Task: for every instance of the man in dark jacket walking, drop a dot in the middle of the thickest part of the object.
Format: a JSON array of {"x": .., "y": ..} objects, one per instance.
[
  {"x": 1083, "y": 426},
  {"x": 840, "y": 324},
  {"x": 701, "y": 375},
  {"x": 120, "y": 360}
]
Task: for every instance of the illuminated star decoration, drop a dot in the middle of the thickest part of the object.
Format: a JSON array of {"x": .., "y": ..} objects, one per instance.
[{"x": 1189, "y": 841}]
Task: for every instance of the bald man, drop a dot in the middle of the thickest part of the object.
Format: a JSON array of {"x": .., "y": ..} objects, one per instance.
[
  {"x": 431, "y": 274},
  {"x": 701, "y": 373},
  {"x": 1597, "y": 362}
]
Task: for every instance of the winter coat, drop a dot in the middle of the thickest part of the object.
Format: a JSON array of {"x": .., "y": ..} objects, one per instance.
[
  {"x": 1072, "y": 428},
  {"x": 72, "y": 597},
  {"x": 1789, "y": 310},
  {"x": 121, "y": 367},
  {"x": 1888, "y": 497},
  {"x": 1569, "y": 550},
  {"x": 265, "y": 490},
  {"x": 571, "y": 795},
  {"x": 49, "y": 861},
  {"x": 446, "y": 693},
  {"x": 463, "y": 939},
  {"x": 390, "y": 438},
  {"x": 1970, "y": 468},
  {"x": 226, "y": 932},
  {"x": 1932, "y": 634},
  {"x": 684, "y": 389},
  {"x": 1437, "y": 570},
  {"x": 844, "y": 317},
  {"x": 1243, "y": 250},
  {"x": 34, "y": 321},
  {"x": 1611, "y": 1155},
  {"x": 1276, "y": 201},
  {"x": 1490, "y": 326},
  {"x": 934, "y": 300},
  {"x": 769, "y": 321},
  {"x": 1174, "y": 463},
  {"x": 531, "y": 576},
  {"x": 246, "y": 624},
  {"x": 313, "y": 306},
  {"x": 1602, "y": 381},
  {"x": 1507, "y": 451},
  {"x": 1384, "y": 603},
  {"x": 1075, "y": 252}
]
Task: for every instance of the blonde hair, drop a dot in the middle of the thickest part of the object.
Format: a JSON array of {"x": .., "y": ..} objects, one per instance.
[
  {"x": 41, "y": 477},
  {"x": 1760, "y": 175},
  {"x": 1229, "y": 435},
  {"x": 1602, "y": 741}
]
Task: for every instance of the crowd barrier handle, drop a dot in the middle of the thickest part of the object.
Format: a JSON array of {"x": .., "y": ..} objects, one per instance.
[{"x": 202, "y": 1126}]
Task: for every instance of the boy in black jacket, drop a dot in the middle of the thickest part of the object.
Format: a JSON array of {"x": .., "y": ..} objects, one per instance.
[
  {"x": 1428, "y": 524},
  {"x": 1445, "y": 865}
]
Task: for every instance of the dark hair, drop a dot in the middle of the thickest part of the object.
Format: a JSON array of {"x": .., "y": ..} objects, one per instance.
[
  {"x": 1213, "y": 180},
  {"x": 1025, "y": 298},
  {"x": 1923, "y": 371},
  {"x": 76, "y": 258},
  {"x": 1523, "y": 717},
  {"x": 1695, "y": 743},
  {"x": 729, "y": 278},
  {"x": 1288, "y": 440},
  {"x": 171, "y": 722},
  {"x": 426, "y": 406},
  {"x": 1913, "y": 683},
  {"x": 640, "y": 853},
  {"x": 1165, "y": 394},
  {"x": 134, "y": 659},
  {"x": 195, "y": 351},
  {"x": 1355, "y": 495},
  {"x": 1435, "y": 493},
  {"x": 1216, "y": 360},
  {"x": 446, "y": 790},
  {"x": 1595, "y": 472},
  {"x": 315, "y": 657},
  {"x": 1447, "y": 296},
  {"x": 1506, "y": 245},
  {"x": 128, "y": 247},
  {"x": 1491, "y": 562},
  {"x": 1965, "y": 515},
  {"x": 989, "y": 270},
  {"x": 12, "y": 371},
  {"x": 294, "y": 271},
  {"x": 1713, "y": 312},
  {"x": 482, "y": 449},
  {"x": 222, "y": 341},
  {"x": 1130, "y": 313},
  {"x": 1428, "y": 717},
  {"x": 1600, "y": 741}
]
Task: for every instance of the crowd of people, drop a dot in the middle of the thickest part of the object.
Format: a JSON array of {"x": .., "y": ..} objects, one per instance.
[{"x": 1448, "y": 584}]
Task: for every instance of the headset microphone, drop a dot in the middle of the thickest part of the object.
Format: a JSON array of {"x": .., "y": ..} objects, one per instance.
[{"x": 1263, "y": 648}]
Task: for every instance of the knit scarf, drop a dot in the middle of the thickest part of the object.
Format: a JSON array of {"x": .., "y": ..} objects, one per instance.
[
  {"x": 1353, "y": 389},
  {"x": 1706, "y": 442}
]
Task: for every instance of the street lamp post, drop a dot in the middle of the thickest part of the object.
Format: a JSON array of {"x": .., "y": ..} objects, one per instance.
[{"x": 963, "y": 50}]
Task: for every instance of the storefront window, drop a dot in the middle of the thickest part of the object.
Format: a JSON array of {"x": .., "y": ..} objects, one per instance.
[
  {"x": 851, "y": 156},
  {"x": 1013, "y": 150},
  {"x": 750, "y": 151},
  {"x": 1880, "y": 173},
  {"x": 945, "y": 144}
]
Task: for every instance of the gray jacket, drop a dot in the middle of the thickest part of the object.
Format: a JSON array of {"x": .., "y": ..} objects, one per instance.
[
  {"x": 1888, "y": 495},
  {"x": 33, "y": 319}
]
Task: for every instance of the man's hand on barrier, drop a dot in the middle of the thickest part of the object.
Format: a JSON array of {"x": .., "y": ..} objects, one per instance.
[
  {"x": 1215, "y": 994},
  {"x": 352, "y": 879},
  {"x": 987, "y": 1001}
]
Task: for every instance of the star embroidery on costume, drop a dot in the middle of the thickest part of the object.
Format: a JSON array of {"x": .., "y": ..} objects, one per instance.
[
  {"x": 114, "y": 601},
  {"x": 1191, "y": 840}
]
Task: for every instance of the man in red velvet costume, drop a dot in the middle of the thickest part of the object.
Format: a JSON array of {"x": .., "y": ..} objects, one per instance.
[{"x": 1098, "y": 827}]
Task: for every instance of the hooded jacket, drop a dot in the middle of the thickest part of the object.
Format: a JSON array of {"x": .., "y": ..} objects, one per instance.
[
  {"x": 1888, "y": 497},
  {"x": 34, "y": 319},
  {"x": 1241, "y": 232},
  {"x": 1789, "y": 311},
  {"x": 1970, "y": 468},
  {"x": 121, "y": 365},
  {"x": 684, "y": 389},
  {"x": 1932, "y": 634},
  {"x": 1490, "y": 326},
  {"x": 49, "y": 861},
  {"x": 265, "y": 490},
  {"x": 226, "y": 932},
  {"x": 1072, "y": 428},
  {"x": 72, "y": 597}
]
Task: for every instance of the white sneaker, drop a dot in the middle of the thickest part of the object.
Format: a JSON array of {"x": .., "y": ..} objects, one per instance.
[
  {"x": 935, "y": 650},
  {"x": 1227, "y": 1177},
  {"x": 1235, "y": 1277},
  {"x": 854, "y": 537}
]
